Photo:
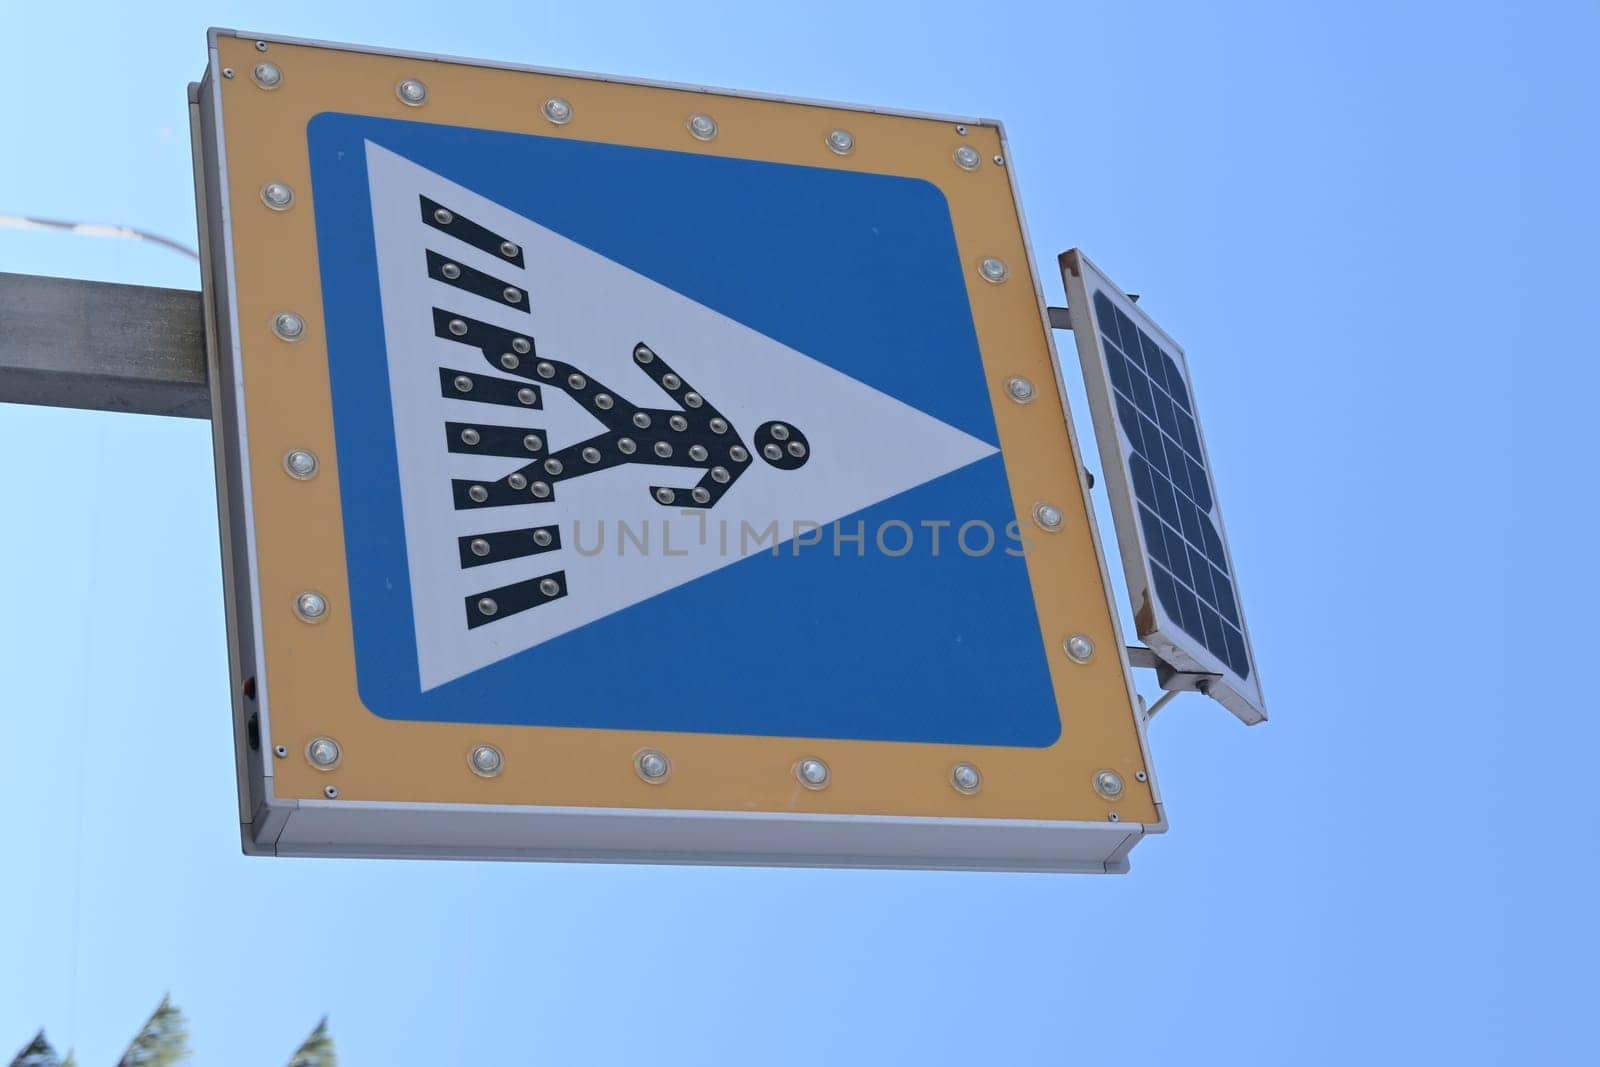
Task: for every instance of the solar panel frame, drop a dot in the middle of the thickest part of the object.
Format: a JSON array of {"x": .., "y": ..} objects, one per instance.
[{"x": 1128, "y": 478}]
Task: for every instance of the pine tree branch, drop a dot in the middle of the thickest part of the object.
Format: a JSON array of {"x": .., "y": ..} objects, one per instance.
[
  {"x": 163, "y": 1041},
  {"x": 37, "y": 1053},
  {"x": 317, "y": 1049}
]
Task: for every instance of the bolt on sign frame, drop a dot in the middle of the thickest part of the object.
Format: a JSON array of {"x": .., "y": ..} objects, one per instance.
[{"x": 863, "y": 272}]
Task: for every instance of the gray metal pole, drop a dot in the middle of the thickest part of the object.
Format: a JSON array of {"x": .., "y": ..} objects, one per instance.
[{"x": 76, "y": 344}]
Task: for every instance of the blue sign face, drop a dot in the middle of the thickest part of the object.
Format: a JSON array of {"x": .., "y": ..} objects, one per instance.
[{"x": 638, "y": 439}]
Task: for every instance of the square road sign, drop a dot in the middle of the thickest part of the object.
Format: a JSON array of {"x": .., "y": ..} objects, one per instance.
[{"x": 624, "y": 471}]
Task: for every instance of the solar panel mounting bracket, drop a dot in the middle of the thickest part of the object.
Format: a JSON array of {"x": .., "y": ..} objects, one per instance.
[
  {"x": 1061, "y": 317},
  {"x": 1171, "y": 679}
]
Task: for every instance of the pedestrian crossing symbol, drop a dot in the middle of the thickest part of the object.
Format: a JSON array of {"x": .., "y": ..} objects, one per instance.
[
  {"x": 555, "y": 391},
  {"x": 647, "y": 420}
]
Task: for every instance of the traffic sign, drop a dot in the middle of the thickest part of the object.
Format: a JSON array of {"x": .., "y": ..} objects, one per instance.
[{"x": 613, "y": 470}]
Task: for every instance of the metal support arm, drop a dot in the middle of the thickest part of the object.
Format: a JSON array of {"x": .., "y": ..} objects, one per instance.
[
  {"x": 1172, "y": 680},
  {"x": 77, "y": 344}
]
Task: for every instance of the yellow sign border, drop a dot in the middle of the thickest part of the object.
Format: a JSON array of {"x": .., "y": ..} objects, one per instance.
[{"x": 306, "y": 672}]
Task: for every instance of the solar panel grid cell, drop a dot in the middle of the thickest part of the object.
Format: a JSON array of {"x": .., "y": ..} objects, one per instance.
[{"x": 1172, "y": 486}]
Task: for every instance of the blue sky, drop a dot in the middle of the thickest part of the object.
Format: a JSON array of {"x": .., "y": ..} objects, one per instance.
[{"x": 1371, "y": 225}]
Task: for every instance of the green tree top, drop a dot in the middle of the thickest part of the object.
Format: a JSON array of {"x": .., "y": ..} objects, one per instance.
[
  {"x": 317, "y": 1049},
  {"x": 163, "y": 1041},
  {"x": 37, "y": 1053}
]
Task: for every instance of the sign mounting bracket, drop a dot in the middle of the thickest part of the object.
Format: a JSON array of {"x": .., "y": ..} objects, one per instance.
[{"x": 1172, "y": 680}]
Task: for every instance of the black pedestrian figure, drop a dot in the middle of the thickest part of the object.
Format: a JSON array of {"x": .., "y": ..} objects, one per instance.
[{"x": 693, "y": 434}]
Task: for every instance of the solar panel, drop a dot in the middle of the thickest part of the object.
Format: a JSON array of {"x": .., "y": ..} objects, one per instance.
[{"x": 1175, "y": 554}]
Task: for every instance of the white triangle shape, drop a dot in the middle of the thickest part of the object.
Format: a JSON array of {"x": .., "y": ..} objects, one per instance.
[{"x": 865, "y": 446}]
